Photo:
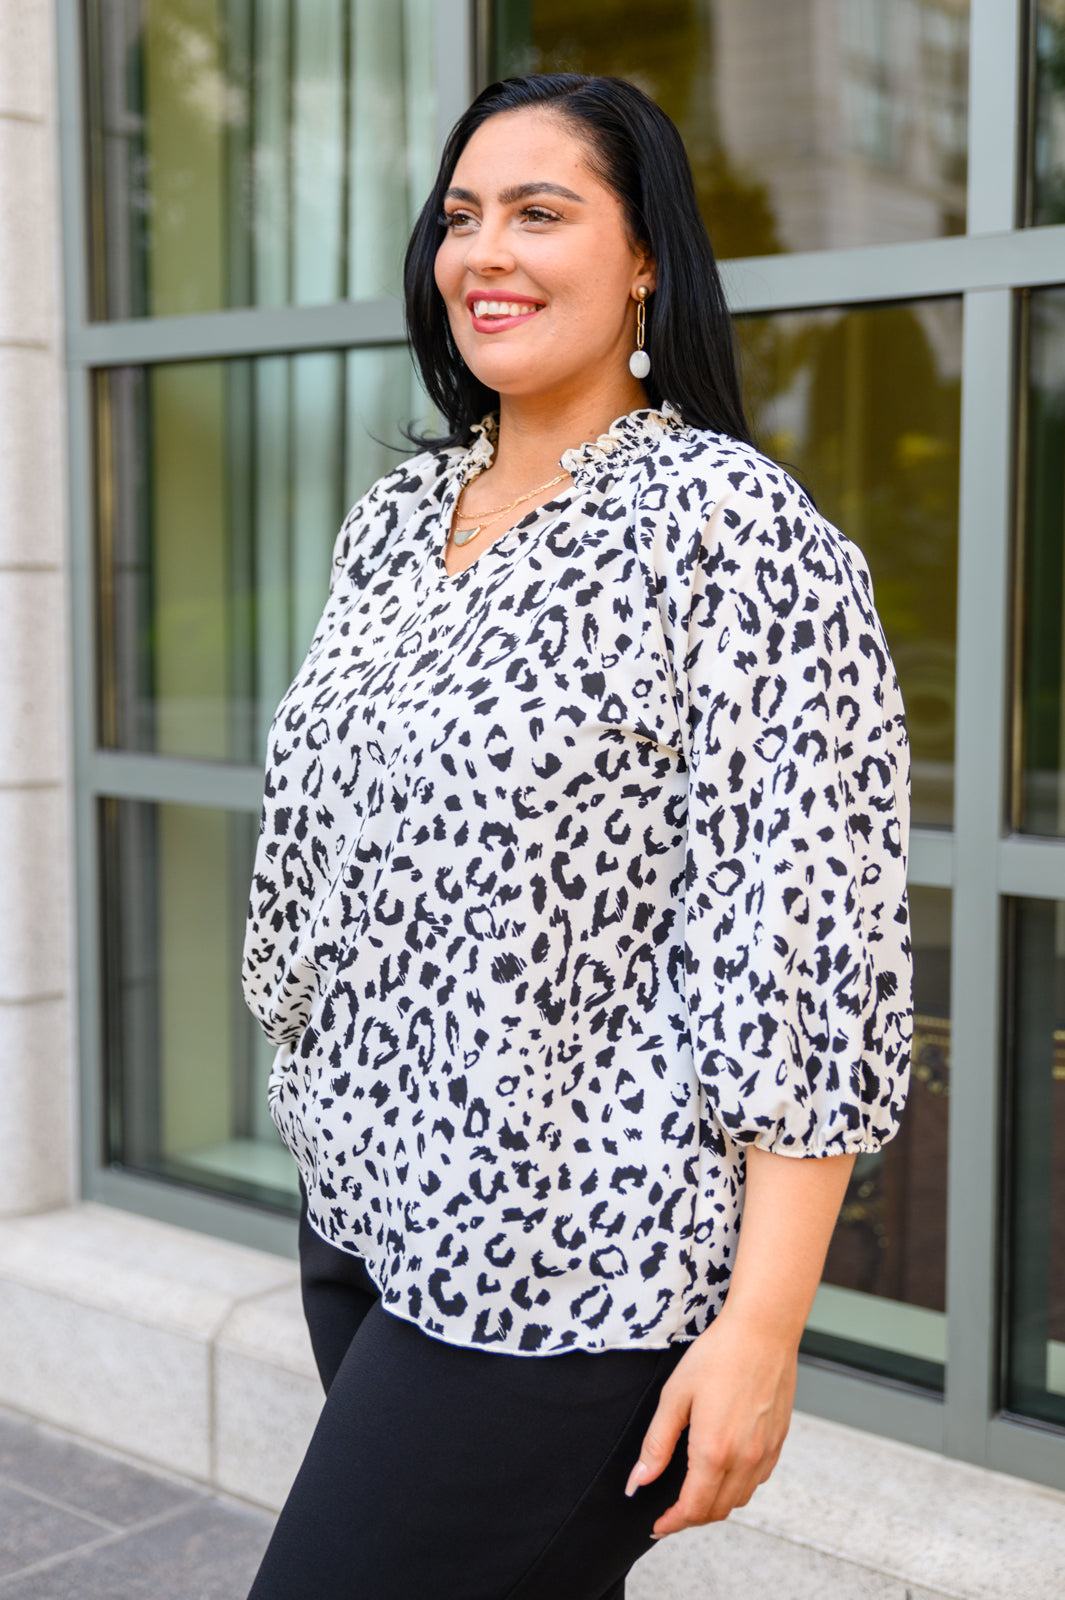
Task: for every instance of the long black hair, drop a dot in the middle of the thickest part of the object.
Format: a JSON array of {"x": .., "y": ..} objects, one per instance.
[{"x": 637, "y": 152}]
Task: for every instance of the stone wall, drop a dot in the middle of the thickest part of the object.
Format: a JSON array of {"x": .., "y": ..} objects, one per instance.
[{"x": 37, "y": 1164}]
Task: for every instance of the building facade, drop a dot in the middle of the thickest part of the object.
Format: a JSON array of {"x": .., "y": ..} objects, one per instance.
[{"x": 202, "y": 365}]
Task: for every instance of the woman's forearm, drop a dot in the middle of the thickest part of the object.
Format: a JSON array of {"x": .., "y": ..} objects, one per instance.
[
  {"x": 735, "y": 1385},
  {"x": 790, "y": 1208}
]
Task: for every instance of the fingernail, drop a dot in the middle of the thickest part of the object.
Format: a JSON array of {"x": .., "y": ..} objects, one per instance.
[{"x": 636, "y": 1477}]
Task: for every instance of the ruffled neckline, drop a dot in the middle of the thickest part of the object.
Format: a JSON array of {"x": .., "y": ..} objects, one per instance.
[{"x": 627, "y": 439}]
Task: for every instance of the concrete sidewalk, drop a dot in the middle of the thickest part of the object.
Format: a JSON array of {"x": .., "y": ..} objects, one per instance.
[{"x": 79, "y": 1524}]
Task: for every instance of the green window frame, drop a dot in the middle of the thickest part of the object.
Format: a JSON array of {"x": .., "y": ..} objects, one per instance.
[{"x": 980, "y": 860}]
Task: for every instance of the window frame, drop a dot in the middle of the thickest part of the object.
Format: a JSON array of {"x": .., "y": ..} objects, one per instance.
[
  {"x": 979, "y": 859},
  {"x": 92, "y": 346}
]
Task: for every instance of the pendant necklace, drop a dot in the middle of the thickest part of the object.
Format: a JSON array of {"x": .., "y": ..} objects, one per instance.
[{"x": 466, "y": 534}]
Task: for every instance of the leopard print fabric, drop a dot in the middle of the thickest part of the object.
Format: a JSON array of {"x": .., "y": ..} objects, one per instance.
[{"x": 579, "y": 872}]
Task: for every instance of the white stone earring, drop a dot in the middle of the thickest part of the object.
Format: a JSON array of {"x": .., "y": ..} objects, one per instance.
[{"x": 640, "y": 361}]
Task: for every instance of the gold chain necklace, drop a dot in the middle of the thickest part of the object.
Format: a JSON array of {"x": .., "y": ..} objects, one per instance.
[{"x": 464, "y": 537}]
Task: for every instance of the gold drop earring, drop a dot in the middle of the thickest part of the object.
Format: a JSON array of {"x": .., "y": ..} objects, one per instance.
[{"x": 640, "y": 361}]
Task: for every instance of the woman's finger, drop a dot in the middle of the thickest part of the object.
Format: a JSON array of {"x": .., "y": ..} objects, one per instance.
[
  {"x": 711, "y": 1490},
  {"x": 769, "y": 1464},
  {"x": 660, "y": 1440},
  {"x": 694, "y": 1505},
  {"x": 735, "y": 1493}
]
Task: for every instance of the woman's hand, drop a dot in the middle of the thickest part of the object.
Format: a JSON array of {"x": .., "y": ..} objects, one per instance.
[{"x": 733, "y": 1389}]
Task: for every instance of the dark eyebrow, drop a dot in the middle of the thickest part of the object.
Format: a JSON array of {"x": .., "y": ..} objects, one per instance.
[{"x": 519, "y": 191}]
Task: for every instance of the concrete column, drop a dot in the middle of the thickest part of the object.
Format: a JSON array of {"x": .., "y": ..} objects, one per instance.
[{"x": 37, "y": 1163}]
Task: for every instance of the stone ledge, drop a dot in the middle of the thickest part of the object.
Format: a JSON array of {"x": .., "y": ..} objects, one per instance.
[
  {"x": 851, "y": 1516},
  {"x": 190, "y": 1354},
  {"x": 144, "y": 1337}
]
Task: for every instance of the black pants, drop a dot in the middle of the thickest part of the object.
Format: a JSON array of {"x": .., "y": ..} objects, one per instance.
[{"x": 441, "y": 1473}]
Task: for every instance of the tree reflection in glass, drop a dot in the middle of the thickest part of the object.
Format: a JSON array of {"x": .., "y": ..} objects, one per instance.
[
  {"x": 864, "y": 407},
  {"x": 810, "y": 124},
  {"x": 1047, "y": 188}
]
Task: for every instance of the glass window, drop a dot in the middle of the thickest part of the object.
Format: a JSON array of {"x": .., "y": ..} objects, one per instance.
[
  {"x": 864, "y": 406},
  {"x": 882, "y": 1298},
  {"x": 1047, "y": 177},
  {"x": 254, "y": 152},
  {"x": 1040, "y": 800},
  {"x": 1035, "y": 1377},
  {"x": 222, "y": 486},
  {"x": 811, "y": 124},
  {"x": 186, "y": 1064}
]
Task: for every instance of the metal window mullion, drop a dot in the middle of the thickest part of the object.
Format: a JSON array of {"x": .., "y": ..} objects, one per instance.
[
  {"x": 981, "y": 754},
  {"x": 453, "y": 44},
  {"x": 914, "y": 270},
  {"x": 73, "y": 164},
  {"x": 996, "y": 103},
  {"x": 931, "y": 860},
  {"x": 241, "y": 1221},
  {"x": 168, "y": 780},
  {"x": 1032, "y": 867},
  {"x": 80, "y": 521},
  {"x": 839, "y": 277},
  {"x": 859, "y": 1401},
  {"x": 88, "y": 918},
  {"x": 1026, "y": 1449},
  {"x": 249, "y": 331},
  {"x": 985, "y": 603}
]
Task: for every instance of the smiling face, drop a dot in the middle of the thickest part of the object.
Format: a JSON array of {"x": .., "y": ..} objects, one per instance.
[{"x": 537, "y": 269}]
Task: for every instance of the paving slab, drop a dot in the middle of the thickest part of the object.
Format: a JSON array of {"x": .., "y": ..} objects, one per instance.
[
  {"x": 33, "y": 1530},
  {"x": 82, "y": 1524},
  {"x": 85, "y": 1480},
  {"x": 209, "y": 1552}
]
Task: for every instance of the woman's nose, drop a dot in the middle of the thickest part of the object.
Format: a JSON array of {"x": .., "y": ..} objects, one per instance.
[{"x": 488, "y": 249}]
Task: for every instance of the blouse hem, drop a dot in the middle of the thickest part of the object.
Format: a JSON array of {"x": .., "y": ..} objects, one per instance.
[{"x": 496, "y": 1347}]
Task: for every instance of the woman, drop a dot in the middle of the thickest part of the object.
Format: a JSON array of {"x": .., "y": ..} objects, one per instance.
[{"x": 579, "y": 908}]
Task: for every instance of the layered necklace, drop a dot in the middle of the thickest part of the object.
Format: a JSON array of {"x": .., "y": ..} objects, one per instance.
[{"x": 464, "y": 535}]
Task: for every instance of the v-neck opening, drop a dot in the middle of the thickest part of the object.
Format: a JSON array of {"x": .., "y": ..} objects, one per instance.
[{"x": 506, "y": 542}]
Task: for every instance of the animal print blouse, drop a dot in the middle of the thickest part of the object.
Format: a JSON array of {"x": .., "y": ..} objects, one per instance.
[{"x": 579, "y": 872}]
